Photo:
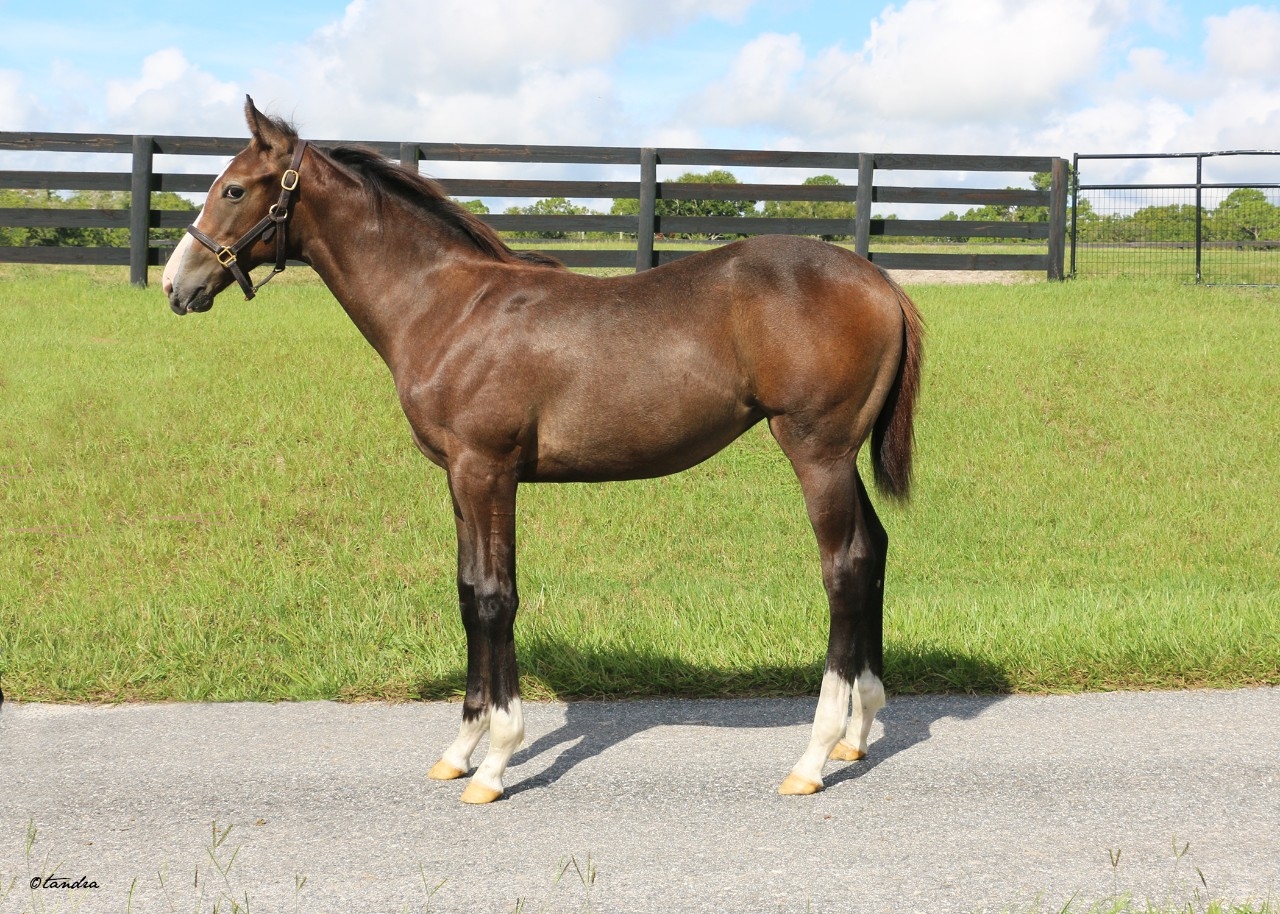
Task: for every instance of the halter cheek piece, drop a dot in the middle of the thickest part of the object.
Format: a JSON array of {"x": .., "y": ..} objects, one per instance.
[{"x": 276, "y": 222}]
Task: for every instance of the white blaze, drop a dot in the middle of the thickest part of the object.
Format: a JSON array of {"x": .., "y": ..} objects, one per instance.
[
  {"x": 173, "y": 266},
  {"x": 174, "y": 263}
]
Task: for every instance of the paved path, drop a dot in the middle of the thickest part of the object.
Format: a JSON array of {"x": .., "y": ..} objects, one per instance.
[{"x": 965, "y": 804}]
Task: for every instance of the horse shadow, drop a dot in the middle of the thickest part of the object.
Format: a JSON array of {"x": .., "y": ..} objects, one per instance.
[{"x": 592, "y": 727}]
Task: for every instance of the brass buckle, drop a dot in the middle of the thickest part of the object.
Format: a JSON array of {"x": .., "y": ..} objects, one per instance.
[
  {"x": 289, "y": 180},
  {"x": 226, "y": 257}
]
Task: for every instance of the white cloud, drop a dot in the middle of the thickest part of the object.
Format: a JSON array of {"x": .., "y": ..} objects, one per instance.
[
  {"x": 469, "y": 70},
  {"x": 761, "y": 83},
  {"x": 535, "y": 71},
  {"x": 17, "y": 107},
  {"x": 171, "y": 96},
  {"x": 1014, "y": 76},
  {"x": 941, "y": 61},
  {"x": 986, "y": 76},
  {"x": 1244, "y": 43}
]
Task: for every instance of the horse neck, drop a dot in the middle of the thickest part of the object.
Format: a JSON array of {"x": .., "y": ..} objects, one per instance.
[{"x": 387, "y": 271}]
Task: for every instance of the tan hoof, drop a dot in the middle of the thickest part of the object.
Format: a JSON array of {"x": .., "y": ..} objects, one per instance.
[
  {"x": 443, "y": 771},
  {"x": 478, "y": 793},
  {"x": 844, "y": 752},
  {"x": 796, "y": 786}
]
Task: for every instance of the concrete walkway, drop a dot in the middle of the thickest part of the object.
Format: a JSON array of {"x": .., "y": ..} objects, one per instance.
[{"x": 1012, "y": 803}]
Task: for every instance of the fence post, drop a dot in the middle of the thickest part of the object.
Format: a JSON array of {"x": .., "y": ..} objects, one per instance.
[
  {"x": 1075, "y": 209},
  {"x": 409, "y": 156},
  {"x": 1057, "y": 218},
  {"x": 1199, "y": 216},
  {"x": 862, "y": 208},
  {"x": 140, "y": 210},
  {"x": 645, "y": 229}
]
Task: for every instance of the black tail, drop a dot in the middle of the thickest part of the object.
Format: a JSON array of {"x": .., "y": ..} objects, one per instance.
[{"x": 893, "y": 437}]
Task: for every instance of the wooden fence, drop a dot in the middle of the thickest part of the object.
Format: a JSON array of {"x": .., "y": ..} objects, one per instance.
[{"x": 142, "y": 179}]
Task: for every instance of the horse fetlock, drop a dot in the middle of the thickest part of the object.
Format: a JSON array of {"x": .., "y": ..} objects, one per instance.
[{"x": 870, "y": 693}]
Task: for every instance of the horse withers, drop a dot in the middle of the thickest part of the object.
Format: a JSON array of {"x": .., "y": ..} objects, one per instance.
[{"x": 512, "y": 369}]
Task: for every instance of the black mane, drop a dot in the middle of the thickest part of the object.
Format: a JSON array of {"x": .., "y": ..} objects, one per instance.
[{"x": 388, "y": 179}]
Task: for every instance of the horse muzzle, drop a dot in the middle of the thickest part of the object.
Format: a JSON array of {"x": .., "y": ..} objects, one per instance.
[{"x": 196, "y": 302}]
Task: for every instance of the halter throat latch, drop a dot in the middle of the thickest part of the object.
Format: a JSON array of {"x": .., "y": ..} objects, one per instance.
[{"x": 275, "y": 222}]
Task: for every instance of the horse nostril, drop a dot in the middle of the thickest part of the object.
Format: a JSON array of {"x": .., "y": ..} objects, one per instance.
[{"x": 167, "y": 285}]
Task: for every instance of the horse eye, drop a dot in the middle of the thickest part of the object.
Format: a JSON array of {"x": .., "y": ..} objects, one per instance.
[{"x": 233, "y": 192}]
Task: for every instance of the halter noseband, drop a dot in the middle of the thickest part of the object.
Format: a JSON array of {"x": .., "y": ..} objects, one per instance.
[{"x": 276, "y": 220}]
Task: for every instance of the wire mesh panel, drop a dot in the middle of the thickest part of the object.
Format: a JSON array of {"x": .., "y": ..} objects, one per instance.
[
  {"x": 1136, "y": 233},
  {"x": 1198, "y": 229},
  {"x": 1241, "y": 228}
]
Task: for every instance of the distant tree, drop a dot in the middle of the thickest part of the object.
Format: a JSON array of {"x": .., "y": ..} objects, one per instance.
[
  {"x": 474, "y": 206},
  {"x": 1041, "y": 180},
  {"x": 85, "y": 199},
  {"x": 669, "y": 207},
  {"x": 1173, "y": 222},
  {"x": 952, "y": 239},
  {"x": 551, "y": 206},
  {"x": 1085, "y": 217},
  {"x": 17, "y": 236},
  {"x": 1112, "y": 228},
  {"x": 707, "y": 207},
  {"x": 990, "y": 213},
  {"x": 815, "y": 209},
  {"x": 1245, "y": 215},
  {"x": 164, "y": 200}
]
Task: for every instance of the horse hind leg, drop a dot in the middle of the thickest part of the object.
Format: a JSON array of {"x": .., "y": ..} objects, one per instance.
[
  {"x": 851, "y": 543},
  {"x": 868, "y": 688}
]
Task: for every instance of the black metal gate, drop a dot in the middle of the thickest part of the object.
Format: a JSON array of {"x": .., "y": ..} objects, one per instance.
[{"x": 1210, "y": 228}]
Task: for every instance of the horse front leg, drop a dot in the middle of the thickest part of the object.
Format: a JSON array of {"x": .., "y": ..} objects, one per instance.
[{"x": 484, "y": 497}]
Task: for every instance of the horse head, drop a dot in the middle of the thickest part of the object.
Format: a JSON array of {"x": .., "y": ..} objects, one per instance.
[{"x": 244, "y": 219}]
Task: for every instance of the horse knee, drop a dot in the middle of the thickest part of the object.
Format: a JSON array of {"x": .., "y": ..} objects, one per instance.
[{"x": 496, "y": 603}]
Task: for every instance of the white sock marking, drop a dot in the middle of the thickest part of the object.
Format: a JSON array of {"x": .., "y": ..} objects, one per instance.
[
  {"x": 459, "y": 753},
  {"x": 506, "y": 732},
  {"x": 828, "y": 725},
  {"x": 868, "y": 700}
]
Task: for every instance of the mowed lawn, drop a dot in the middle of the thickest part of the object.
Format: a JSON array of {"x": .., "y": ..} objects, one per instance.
[{"x": 229, "y": 506}]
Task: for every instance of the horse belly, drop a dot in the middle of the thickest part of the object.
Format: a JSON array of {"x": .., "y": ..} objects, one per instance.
[{"x": 619, "y": 437}]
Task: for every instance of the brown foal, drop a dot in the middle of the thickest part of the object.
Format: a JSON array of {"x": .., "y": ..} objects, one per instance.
[{"x": 512, "y": 369}]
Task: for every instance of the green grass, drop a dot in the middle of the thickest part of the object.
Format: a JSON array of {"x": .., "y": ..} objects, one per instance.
[{"x": 228, "y": 506}]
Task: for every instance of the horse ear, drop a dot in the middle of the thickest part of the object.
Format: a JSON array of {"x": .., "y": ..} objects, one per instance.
[{"x": 264, "y": 131}]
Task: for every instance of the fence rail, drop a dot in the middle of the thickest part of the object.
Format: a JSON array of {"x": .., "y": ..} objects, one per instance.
[{"x": 646, "y": 226}]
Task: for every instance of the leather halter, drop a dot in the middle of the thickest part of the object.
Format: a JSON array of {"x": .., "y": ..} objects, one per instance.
[{"x": 275, "y": 221}]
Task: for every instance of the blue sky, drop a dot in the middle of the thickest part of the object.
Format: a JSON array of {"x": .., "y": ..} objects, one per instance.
[{"x": 915, "y": 75}]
